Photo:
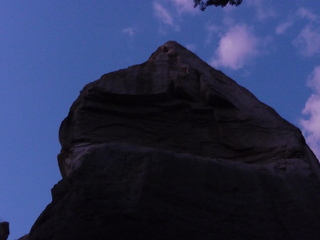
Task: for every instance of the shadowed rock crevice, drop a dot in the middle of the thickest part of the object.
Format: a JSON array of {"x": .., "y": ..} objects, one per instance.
[{"x": 174, "y": 149}]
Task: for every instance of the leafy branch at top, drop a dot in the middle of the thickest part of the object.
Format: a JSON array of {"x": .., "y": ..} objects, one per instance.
[{"x": 203, "y": 4}]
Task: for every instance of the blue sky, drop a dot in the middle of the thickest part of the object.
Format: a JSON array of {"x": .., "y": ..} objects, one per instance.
[{"x": 51, "y": 49}]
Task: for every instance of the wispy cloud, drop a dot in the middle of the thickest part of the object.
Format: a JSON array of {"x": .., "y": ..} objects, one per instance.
[
  {"x": 129, "y": 31},
  {"x": 308, "y": 40},
  {"x": 236, "y": 47},
  {"x": 307, "y": 14},
  {"x": 164, "y": 16},
  {"x": 262, "y": 8},
  {"x": 311, "y": 123},
  {"x": 184, "y": 6},
  {"x": 212, "y": 30},
  {"x": 169, "y": 13},
  {"x": 284, "y": 26}
]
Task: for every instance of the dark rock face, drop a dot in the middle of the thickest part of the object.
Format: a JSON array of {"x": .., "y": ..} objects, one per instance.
[
  {"x": 4, "y": 230},
  {"x": 176, "y": 102},
  {"x": 25, "y": 237},
  {"x": 174, "y": 149}
]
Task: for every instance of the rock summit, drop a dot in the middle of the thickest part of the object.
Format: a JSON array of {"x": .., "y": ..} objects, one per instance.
[{"x": 174, "y": 149}]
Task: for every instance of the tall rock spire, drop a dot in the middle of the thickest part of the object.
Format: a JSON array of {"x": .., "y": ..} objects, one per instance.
[
  {"x": 174, "y": 149},
  {"x": 176, "y": 102}
]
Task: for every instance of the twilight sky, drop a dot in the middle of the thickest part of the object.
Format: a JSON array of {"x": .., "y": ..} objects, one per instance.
[{"x": 50, "y": 49}]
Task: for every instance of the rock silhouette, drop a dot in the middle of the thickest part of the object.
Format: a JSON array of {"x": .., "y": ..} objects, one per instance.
[
  {"x": 174, "y": 149},
  {"x": 4, "y": 230}
]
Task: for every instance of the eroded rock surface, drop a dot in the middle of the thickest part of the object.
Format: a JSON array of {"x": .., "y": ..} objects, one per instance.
[
  {"x": 176, "y": 102},
  {"x": 174, "y": 149}
]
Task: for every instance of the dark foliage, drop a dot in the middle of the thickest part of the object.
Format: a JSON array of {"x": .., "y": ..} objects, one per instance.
[{"x": 204, "y": 3}]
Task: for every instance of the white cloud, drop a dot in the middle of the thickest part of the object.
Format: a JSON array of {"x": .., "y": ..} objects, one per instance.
[
  {"x": 236, "y": 47},
  {"x": 263, "y": 11},
  {"x": 169, "y": 12},
  {"x": 308, "y": 43},
  {"x": 283, "y": 27},
  {"x": 212, "y": 30},
  {"x": 311, "y": 123},
  {"x": 184, "y": 6},
  {"x": 129, "y": 31},
  {"x": 162, "y": 14},
  {"x": 314, "y": 80},
  {"x": 307, "y": 14},
  {"x": 308, "y": 40},
  {"x": 164, "y": 17}
]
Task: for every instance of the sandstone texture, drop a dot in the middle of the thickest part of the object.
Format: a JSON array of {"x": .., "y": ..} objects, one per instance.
[{"x": 174, "y": 149}]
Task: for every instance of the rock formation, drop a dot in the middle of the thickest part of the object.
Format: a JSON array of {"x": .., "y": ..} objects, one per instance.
[
  {"x": 174, "y": 149},
  {"x": 25, "y": 237},
  {"x": 4, "y": 230}
]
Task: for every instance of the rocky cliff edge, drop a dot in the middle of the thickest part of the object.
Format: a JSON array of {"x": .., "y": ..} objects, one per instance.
[{"x": 174, "y": 149}]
